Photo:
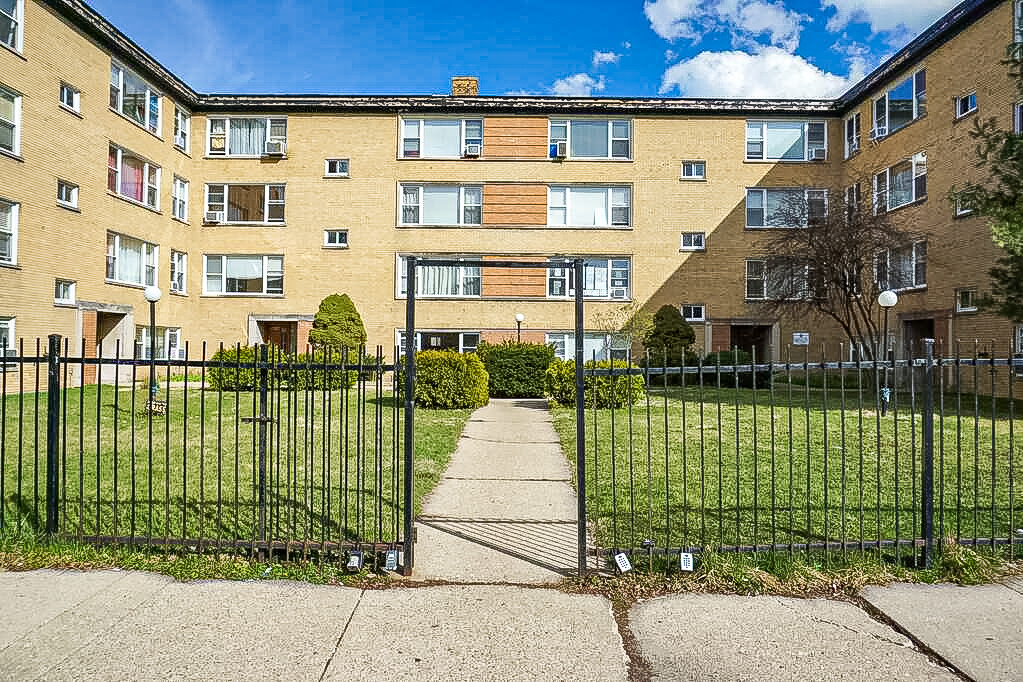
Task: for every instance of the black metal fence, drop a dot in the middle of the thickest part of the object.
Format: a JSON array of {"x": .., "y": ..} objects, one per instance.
[
  {"x": 805, "y": 456},
  {"x": 271, "y": 455}
]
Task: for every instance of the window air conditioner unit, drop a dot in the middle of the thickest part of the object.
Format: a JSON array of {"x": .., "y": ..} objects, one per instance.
[
  {"x": 818, "y": 154},
  {"x": 879, "y": 133},
  {"x": 619, "y": 293},
  {"x": 559, "y": 150},
  {"x": 275, "y": 148},
  {"x": 471, "y": 151},
  {"x": 214, "y": 217}
]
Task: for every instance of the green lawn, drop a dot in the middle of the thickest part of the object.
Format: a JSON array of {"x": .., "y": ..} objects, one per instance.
[
  {"x": 333, "y": 464},
  {"x": 726, "y": 467}
]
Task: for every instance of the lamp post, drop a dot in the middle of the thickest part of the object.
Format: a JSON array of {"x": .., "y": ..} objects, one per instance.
[
  {"x": 152, "y": 294},
  {"x": 519, "y": 319},
  {"x": 886, "y": 299}
]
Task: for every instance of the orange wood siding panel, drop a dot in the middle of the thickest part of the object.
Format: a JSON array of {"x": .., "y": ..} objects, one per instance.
[
  {"x": 515, "y": 204},
  {"x": 514, "y": 282},
  {"x": 515, "y": 137}
]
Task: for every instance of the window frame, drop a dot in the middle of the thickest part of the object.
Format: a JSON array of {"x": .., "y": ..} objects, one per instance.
[
  {"x": 420, "y": 187},
  {"x": 75, "y": 106},
  {"x": 609, "y": 206},
  {"x": 116, "y": 100},
  {"x": 970, "y": 100},
  {"x": 328, "y": 244},
  {"x": 702, "y": 317},
  {"x": 918, "y": 255},
  {"x": 463, "y": 136},
  {"x": 918, "y": 180},
  {"x": 267, "y": 202},
  {"x": 163, "y": 346},
  {"x": 552, "y": 140},
  {"x": 967, "y": 308},
  {"x": 179, "y": 272},
  {"x": 179, "y": 198},
  {"x": 70, "y": 285},
  {"x": 337, "y": 174},
  {"x": 851, "y": 126},
  {"x": 612, "y": 264},
  {"x": 14, "y": 125},
  {"x": 762, "y": 140},
  {"x": 8, "y": 325},
  {"x": 818, "y": 192},
  {"x": 919, "y": 98},
  {"x": 72, "y": 191},
  {"x": 13, "y": 210},
  {"x": 693, "y": 246},
  {"x": 18, "y": 19},
  {"x": 464, "y": 276},
  {"x": 266, "y": 274},
  {"x": 182, "y": 138},
  {"x": 149, "y": 255},
  {"x": 148, "y": 188},
  {"x": 694, "y": 175},
  {"x": 268, "y": 135}
]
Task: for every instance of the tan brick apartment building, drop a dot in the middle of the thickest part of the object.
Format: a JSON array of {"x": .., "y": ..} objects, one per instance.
[{"x": 247, "y": 210}]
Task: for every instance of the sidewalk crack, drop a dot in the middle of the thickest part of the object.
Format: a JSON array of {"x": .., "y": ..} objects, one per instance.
[
  {"x": 344, "y": 631},
  {"x": 843, "y": 626}
]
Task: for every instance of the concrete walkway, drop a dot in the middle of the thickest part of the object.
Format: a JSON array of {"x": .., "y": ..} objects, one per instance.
[{"x": 505, "y": 509}]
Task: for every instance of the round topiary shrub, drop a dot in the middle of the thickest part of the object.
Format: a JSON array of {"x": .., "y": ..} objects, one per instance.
[{"x": 600, "y": 391}]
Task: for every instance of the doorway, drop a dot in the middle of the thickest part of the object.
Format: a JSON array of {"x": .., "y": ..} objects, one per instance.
[
  {"x": 284, "y": 335},
  {"x": 913, "y": 334},
  {"x": 754, "y": 339}
]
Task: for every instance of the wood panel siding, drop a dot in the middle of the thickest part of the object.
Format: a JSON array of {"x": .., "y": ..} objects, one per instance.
[
  {"x": 515, "y": 282},
  {"x": 515, "y": 204},
  {"x": 516, "y": 137}
]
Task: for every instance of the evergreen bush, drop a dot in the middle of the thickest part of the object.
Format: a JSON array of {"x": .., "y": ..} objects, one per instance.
[
  {"x": 338, "y": 325},
  {"x": 516, "y": 370},
  {"x": 449, "y": 379}
]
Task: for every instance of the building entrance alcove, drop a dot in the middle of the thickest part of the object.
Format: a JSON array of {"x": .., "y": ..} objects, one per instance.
[{"x": 754, "y": 339}]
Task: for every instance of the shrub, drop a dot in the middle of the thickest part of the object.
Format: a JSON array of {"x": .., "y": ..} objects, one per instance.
[
  {"x": 449, "y": 379},
  {"x": 658, "y": 360},
  {"x": 307, "y": 371},
  {"x": 337, "y": 324},
  {"x": 738, "y": 357},
  {"x": 230, "y": 377},
  {"x": 610, "y": 391},
  {"x": 516, "y": 370}
]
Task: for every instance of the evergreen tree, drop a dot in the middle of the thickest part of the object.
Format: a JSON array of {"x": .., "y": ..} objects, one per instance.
[
  {"x": 670, "y": 332},
  {"x": 338, "y": 324}
]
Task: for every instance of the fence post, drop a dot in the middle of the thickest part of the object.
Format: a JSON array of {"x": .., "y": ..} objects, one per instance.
[
  {"x": 580, "y": 417},
  {"x": 262, "y": 439},
  {"x": 52, "y": 433},
  {"x": 927, "y": 445},
  {"x": 408, "y": 550}
]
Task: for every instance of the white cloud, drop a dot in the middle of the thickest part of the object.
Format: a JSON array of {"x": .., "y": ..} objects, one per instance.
[
  {"x": 747, "y": 20},
  {"x": 782, "y": 26},
  {"x": 670, "y": 55},
  {"x": 627, "y": 45},
  {"x": 772, "y": 72},
  {"x": 608, "y": 57},
  {"x": 577, "y": 85},
  {"x": 887, "y": 15},
  {"x": 672, "y": 19}
]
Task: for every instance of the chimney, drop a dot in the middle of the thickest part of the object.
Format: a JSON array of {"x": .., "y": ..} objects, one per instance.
[{"x": 465, "y": 86}]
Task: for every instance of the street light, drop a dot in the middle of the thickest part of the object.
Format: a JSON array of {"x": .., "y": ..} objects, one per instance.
[
  {"x": 152, "y": 294},
  {"x": 519, "y": 319},
  {"x": 886, "y": 299}
]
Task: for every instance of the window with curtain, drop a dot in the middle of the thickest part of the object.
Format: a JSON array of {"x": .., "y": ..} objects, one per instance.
[
  {"x": 262, "y": 204},
  {"x": 441, "y": 205},
  {"x": 131, "y": 260},
  {"x": 443, "y": 281},
  {"x": 589, "y": 206},
  {"x": 133, "y": 97},
  {"x": 10, "y": 113},
  {"x": 901, "y": 184},
  {"x": 593, "y": 138},
  {"x": 244, "y": 136},
  {"x": 439, "y": 137},
  {"x": 603, "y": 278},
  {"x": 8, "y": 232},
  {"x": 243, "y": 274},
  {"x": 132, "y": 177}
]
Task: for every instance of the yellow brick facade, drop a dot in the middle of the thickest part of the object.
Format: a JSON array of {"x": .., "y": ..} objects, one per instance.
[{"x": 514, "y": 171}]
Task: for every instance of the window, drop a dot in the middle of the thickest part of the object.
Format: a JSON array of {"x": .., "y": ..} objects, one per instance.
[
  {"x": 178, "y": 272},
  {"x": 902, "y": 268},
  {"x": 592, "y": 138},
  {"x": 902, "y": 184},
  {"x": 852, "y": 201},
  {"x": 437, "y": 281},
  {"x": 130, "y": 260},
  {"x": 1017, "y": 118},
  {"x": 11, "y": 13},
  {"x": 785, "y": 207},
  {"x": 966, "y": 300},
  {"x": 692, "y": 241},
  {"x": 67, "y": 194},
  {"x": 133, "y": 97},
  {"x": 335, "y": 168},
  {"x": 694, "y": 312},
  {"x": 595, "y": 346},
  {"x": 10, "y": 120},
  {"x": 606, "y": 278},
  {"x": 179, "y": 199},
  {"x": 463, "y": 342},
  {"x": 961, "y": 207},
  {"x": 7, "y": 340},
  {"x": 441, "y": 205},
  {"x": 790, "y": 281},
  {"x": 230, "y": 275},
  {"x": 852, "y": 135},
  {"x": 168, "y": 344},
  {"x": 246, "y": 136},
  {"x": 132, "y": 177},
  {"x": 694, "y": 170},
  {"x": 8, "y": 232},
  {"x": 335, "y": 239},
  {"x": 900, "y": 106},
  {"x": 245, "y": 203},
  {"x": 182, "y": 128},
  {"x": 589, "y": 206},
  {"x": 439, "y": 137},
  {"x": 967, "y": 104},
  {"x": 785, "y": 140},
  {"x": 70, "y": 97},
  {"x": 1017, "y": 23},
  {"x": 64, "y": 292}
]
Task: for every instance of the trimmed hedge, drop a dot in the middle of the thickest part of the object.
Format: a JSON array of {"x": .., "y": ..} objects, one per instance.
[
  {"x": 616, "y": 391},
  {"x": 306, "y": 371},
  {"x": 448, "y": 379},
  {"x": 228, "y": 378},
  {"x": 727, "y": 357},
  {"x": 516, "y": 370},
  {"x": 295, "y": 372},
  {"x": 673, "y": 358}
]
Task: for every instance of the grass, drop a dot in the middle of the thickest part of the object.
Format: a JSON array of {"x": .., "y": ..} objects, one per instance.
[
  {"x": 333, "y": 464},
  {"x": 716, "y": 468}
]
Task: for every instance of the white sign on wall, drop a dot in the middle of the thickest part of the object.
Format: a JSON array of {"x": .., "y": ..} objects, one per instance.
[{"x": 800, "y": 338}]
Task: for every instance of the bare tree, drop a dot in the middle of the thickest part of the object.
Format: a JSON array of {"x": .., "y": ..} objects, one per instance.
[{"x": 832, "y": 256}]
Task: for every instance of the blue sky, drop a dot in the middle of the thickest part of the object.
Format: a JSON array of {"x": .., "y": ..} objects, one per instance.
[{"x": 690, "y": 48}]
